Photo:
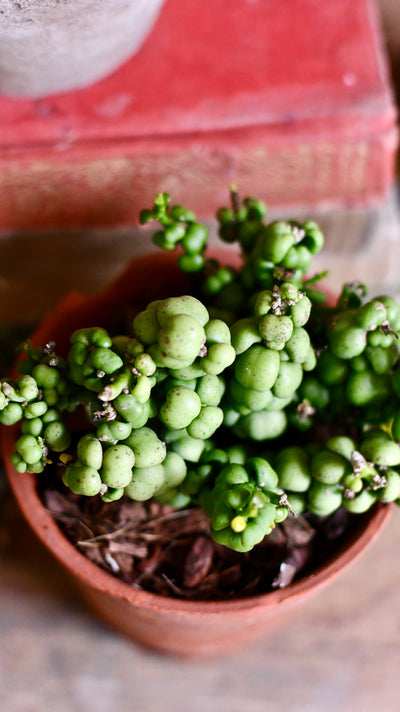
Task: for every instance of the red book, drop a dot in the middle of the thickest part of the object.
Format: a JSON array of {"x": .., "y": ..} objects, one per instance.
[{"x": 289, "y": 100}]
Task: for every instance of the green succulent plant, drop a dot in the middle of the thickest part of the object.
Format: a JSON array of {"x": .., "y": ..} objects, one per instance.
[{"x": 252, "y": 397}]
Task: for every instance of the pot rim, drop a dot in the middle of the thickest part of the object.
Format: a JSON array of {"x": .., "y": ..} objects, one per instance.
[{"x": 86, "y": 571}]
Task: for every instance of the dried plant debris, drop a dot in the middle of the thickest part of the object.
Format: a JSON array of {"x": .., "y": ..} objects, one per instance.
[{"x": 170, "y": 552}]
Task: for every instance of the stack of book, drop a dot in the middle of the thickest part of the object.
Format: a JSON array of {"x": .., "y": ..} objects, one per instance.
[{"x": 288, "y": 100}]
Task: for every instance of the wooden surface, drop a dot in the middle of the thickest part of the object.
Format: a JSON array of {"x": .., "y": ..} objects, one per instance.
[
  {"x": 341, "y": 651},
  {"x": 37, "y": 270}
]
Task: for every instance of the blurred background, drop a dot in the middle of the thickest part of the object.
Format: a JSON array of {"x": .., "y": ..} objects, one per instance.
[{"x": 296, "y": 102}]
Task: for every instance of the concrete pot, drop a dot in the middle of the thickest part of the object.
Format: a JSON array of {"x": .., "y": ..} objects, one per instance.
[
  {"x": 186, "y": 628},
  {"x": 49, "y": 46}
]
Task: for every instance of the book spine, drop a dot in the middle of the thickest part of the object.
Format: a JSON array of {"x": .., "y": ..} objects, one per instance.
[{"x": 98, "y": 186}]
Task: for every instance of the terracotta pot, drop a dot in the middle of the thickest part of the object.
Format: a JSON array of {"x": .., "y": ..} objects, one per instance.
[
  {"x": 49, "y": 46},
  {"x": 188, "y": 628}
]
